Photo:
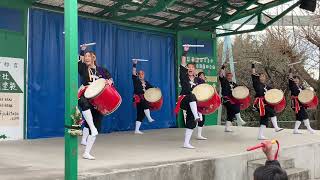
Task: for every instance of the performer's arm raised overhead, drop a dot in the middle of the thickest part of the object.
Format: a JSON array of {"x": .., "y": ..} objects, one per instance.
[
  {"x": 134, "y": 67},
  {"x": 135, "y": 78},
  {"x": 253, "y": 68},
  {"x": 292, "y": 85},
  {"x": 81, "y": 65},
  {"x": 184, "y": 56},
  {"x": 222, "y": 76},
  {"x": 183, "y": 72},
  {"x": 290, "y": 73},
  {"x": 81, "y": 55},
  {"x": 222, "y": 71},
  {"x": 255, "y": 78}
]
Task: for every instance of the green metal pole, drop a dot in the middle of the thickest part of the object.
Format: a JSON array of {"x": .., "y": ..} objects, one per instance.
[
  {"x": 215, "y": 59},
  {"x": 71, "y": 85}
]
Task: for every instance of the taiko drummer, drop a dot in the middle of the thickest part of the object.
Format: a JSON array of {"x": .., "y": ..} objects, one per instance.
[
  {"x": 265, "y": 110},
  {"x": 187, "y": 100},
  {"x": 140, "y": 86},
  {"x": 89, "y": 72},
  {"x": 233, "y": 108},
  {"x": 299, "y": 109}
]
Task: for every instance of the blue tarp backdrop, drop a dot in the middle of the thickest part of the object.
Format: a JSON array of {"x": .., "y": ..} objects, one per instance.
[{"x": 116, "y": 46}]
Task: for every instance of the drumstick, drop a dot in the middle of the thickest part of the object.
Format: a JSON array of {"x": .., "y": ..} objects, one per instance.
[
  {"x": 88, "y": 44},
  {"x": 143, "y": 60},
  {"x": 230, "y": 62},
  {"x": 257, "y": 62},
  {"x": 294, "y": 63},
  {"x": 193, "y": 45},
  {"x": 259, "y": 146}
]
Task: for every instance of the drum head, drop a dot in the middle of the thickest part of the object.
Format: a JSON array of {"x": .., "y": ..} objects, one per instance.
[
  {"x": 306, "y": 96},
  {"x": 203, "y": 92},
  {"x": 153, "y": 95},
  {"x": 274, "y": 96},
  {"x": 240, "y": 92},
  {"x": 95, "y": 88}
]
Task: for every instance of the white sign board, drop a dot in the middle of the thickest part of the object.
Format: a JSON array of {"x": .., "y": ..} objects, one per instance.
[{"x": 11, "y": 98}]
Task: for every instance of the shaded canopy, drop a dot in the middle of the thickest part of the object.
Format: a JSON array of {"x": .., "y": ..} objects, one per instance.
[{"x": 175, "y": 15}]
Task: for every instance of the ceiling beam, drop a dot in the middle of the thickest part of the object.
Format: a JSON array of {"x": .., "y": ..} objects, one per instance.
[
  {"x": 260, "y": 25},
  {"x": 143, "y": 5},
  {"x": 128, "y": 24},
  {"x": 242, "y": 14},
  {"x": 191, "y": 14},
  {"x": 93, "y": 4},
  {"x": 208, "y": 15},
  {"x": 161, "y": 5},
  {"x": 146, "y": 10},
  {"x": 113, "y": 9},
  {"x": 167, "y": 10},
  {"x": 116, "y": 9}
]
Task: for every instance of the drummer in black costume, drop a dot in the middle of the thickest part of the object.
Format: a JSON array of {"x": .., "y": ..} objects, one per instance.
[
  {"x": 89, "y": 72},
  {"x": 188, "y": 81},
  {"x": 265, "y": 110},
  {"x": 300, "y": 111},
  {"x": 140, "y": 86},
  {"x": 233, "y": 109}
]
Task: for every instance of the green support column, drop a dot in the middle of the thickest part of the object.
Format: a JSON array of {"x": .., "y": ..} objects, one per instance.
[
  {"x": 215, "y": 58},
  {"x": 180, "y": 122},
  {"x": 71, "y": 85},
  {"x": 215, "y": 48}
]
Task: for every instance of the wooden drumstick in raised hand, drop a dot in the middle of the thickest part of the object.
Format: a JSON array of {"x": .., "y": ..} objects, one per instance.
[
  {"x": 88, "y": 44},
  {"x": 229, "y": 62},
  {"x": 142, "y": 60},
  {"x": 193, "y": 45},
  {"x": 255, "y": 62}
]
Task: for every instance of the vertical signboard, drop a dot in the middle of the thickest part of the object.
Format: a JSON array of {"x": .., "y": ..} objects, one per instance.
[
  {"x": 11, "y": 98},
  {"x": 205, "y": 59}
]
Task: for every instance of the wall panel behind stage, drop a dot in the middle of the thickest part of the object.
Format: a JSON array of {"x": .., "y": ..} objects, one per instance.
[{"x": 115, "y": 48}]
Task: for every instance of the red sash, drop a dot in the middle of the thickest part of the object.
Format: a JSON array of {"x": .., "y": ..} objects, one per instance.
[
  {"x": 81, "y": 91},
  {"x": 259, "y": 101},
  {"x": 232, "y": 100},
  {"x": 177, "y": 108},
  {"x": 137, "y": 99},
  {"x": 296, "y": 103}
]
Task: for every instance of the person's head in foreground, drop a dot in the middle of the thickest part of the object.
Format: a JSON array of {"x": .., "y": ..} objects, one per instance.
[
  {"x": 272, "y": 169},
  {"x": 271, "y": 172}
]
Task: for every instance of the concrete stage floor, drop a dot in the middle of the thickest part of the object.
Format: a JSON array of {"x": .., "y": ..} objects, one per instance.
[{"x": 44, "y": 158}]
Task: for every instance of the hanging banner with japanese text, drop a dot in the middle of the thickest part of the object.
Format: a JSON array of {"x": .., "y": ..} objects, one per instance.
[
  {"x": 11, "y": 98},
  {"x": 204, "y": 64}
]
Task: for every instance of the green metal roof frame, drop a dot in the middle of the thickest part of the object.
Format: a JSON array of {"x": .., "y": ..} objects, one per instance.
[{"x": 176, "y": 15}]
